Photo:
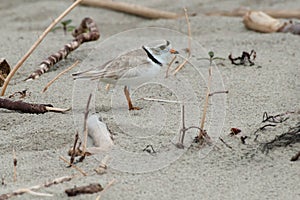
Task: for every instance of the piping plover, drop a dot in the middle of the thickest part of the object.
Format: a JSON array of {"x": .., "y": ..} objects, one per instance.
[{"x": 131, "y": 68}]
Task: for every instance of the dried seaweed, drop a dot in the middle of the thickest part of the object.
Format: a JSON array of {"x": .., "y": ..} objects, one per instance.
[
  {"x": 283, "y": 140},
  {"x": 245, "y": 59}
]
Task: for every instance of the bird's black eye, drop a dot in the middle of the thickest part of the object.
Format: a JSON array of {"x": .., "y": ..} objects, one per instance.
[{"x": 162, "y": 47}]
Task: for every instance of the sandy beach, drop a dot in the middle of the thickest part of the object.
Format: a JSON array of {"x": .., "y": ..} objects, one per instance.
[{"x": 217, "y": 171}]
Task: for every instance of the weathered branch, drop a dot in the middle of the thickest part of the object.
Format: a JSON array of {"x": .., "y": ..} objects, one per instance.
[
  {"x": 33, "y": 47},
  {"x": 36, "y": 187},
  {"x": 262, "y": 22},
  {"x": 132, "y": 9},
  {"x": 86, "y": 32},
  {"x": 24, "y": 107},
  {"x": 88, "y": 189}
]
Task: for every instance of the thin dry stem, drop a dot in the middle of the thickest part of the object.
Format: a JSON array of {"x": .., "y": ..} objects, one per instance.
[
  {"x": 159, "y": 100},
  {"x": 34, "y": 46},
  {"x": 36, "y": 187},
  {"x": 74, "y": 166},
  {"x": 106, "y": 188},
  {"x": 206, "y": 101},
  {"x": 59, "y": 75},
  {"x": 85, "y": 129},
  {"x": 189, "y": 43},
  {"x": 169, "y": 66},
  {"x": 132, "y": 9}
]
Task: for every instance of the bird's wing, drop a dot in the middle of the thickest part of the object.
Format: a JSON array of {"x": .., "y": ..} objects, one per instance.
[{"x": 124, "y": 65}]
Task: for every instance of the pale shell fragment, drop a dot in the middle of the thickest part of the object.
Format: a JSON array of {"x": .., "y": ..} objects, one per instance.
[
  {"x": 98, "y": 132},
  {"x": 261, "y": 22}
]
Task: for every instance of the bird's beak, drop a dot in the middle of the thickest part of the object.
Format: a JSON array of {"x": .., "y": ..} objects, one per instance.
[{"x": 173, "y": 51}]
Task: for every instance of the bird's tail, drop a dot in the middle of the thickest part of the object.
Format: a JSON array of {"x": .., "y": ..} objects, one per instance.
[{"x": 88, "y": 74}]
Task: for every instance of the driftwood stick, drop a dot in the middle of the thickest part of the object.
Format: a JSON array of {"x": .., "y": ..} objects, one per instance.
[
  {"x": 28, "y": 107},
  {"x": 33, "y": 47},
  {"x": 86, "y": 32},
  {"x": 133, "y": 9},
  {"x": 88, "y": 189},
  {"x": 36, "y": 187},
  {"x": 239, "y": 12},
  {"x": 189, "y": 43}
]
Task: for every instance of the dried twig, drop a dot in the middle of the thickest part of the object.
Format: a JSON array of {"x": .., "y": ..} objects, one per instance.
[
  {"x": 206, "y": 100},
  {"x": 36, "y": 187},
  {"x": 101, "y": 169},
  {"x": 60, "y": 74},
  {"x": 159, "y": 100},
  {"x": 169, "y": 66},
  {"x": 88, "y": 189},
  {"x": 74, "y": 148},
  {"x": 33, "y": 47},
  {"x": 29, "y": 107},
  {"x": 218, "y": 92},
  {"x": 132, "y": 9},
  {"x": 106, "y": 188},
  {"x": 85, "y": 127},
  {"x": 202, "y": 133},
  {"x": 74, "y": 166},
  {"x": 189, "y": 44},
  {"x": 86, "y": 32},
  {"x": 183, "y": 131},
  {"x": 227, "y": 145}
]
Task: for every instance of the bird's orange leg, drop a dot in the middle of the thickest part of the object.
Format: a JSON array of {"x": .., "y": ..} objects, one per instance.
[{"x": 127, "y": 95}]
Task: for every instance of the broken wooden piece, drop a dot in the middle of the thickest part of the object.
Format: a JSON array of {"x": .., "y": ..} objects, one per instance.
[
  {"x": 88, "y": 189},
  {"x": 30, "y": 190},
  {"x": 261, "y": 22},
  {"x": 24, "y": 107},
  {"x": 133, "y": 9},
  {"x": 86, "y": 32}
]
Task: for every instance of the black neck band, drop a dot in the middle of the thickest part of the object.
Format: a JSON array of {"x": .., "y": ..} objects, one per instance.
[{"x": 152, "y": 57}]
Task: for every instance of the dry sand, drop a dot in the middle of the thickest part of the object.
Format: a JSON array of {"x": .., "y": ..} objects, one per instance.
[{"x": 243, "y": 172}]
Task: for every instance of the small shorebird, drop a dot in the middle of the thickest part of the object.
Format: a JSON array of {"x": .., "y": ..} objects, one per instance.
[{"x": 131, "y": 68}]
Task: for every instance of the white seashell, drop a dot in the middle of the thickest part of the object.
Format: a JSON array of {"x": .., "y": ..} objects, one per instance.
[
  {"x": 261, "y": 22},
  {"x": 98, "y": 132}
]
